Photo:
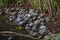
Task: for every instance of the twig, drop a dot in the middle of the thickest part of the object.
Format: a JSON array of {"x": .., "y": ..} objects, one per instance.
[{"x": 16, "y": 34}]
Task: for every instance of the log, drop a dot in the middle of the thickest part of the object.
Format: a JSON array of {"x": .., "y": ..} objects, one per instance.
[{"x": 15, "y": 34}]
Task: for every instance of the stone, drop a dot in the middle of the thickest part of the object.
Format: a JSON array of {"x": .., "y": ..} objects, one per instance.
[{"x": 43, "y": 30}]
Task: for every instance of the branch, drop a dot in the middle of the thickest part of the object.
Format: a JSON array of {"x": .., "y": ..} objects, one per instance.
[{"x": 15, "y": 34}]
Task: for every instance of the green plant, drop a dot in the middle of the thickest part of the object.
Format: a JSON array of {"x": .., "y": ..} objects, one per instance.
[
  {"x": 20, "y": 1},
  {"x": 54, "y": 2},
  {"x": 19, "y": 28},
  {"x": 52, "y": 37},
  {"x": 34, "y": 4},
  {"x": 1, "y": 3},
  {"x": 43, "y": 5}
]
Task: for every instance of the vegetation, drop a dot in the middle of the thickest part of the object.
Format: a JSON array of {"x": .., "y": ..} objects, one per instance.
[
  {"x": 1, "y": 3},
  {"x": 20, "y": 2},
  {"x": 34, "y": 4},
  {"x": 12, "y": 26},
  {"x": 53, "y": 37}
]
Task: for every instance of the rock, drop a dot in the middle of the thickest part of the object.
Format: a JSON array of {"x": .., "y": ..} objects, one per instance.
[
  {"x": 22, "y": 11},
  {"x": 41, "y": 20},
  {"x": 7, "y": 11},
  {"x": 10, "y": 38},
  {"x": 34, "y": 28},
  {"x": 37, "y": 22},
  {"x": 47, "y": 36},
  {"x": 31, "y": 24},
  {"x": 30, "y": 20},
  {"x": 21, "y": 23},
  {"x": 43, "y": 30},
  {"x": 12, "y": 13},
  {"x": 18, "y": 16},
  {"x": 53, "y": 19},
  {"x": 31, "y": 11},
  {"x": 26, "y": 19},
  {"x": 11, "y": 18},
  {"x": 47, "y": 19},
  {"x": 34, "y": 18},
  {"x": 27, "y": 28},
  {"x": 12, "y": 9},
  {"x": 27, "y": 25},
  {"x": 42, "y": 23},
  {"x": 22, "y": 15},
  {"x": 32, "y": 33},
  {"x": 38, "y": 17},
  {"x": 19, "y": 19},
  {"x": 39, "y": 37},
  {"x": 41, "y": 15},
  {"x": 17, "y": 9},
  {"x": 1, "y": 12},
  {"x": 29, "y": 15}
]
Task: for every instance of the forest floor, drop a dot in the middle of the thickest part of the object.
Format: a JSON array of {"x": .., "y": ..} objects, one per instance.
[{"x": 11, "y": 26}]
